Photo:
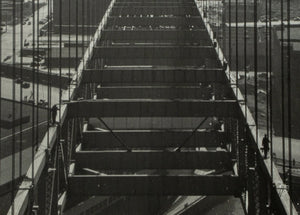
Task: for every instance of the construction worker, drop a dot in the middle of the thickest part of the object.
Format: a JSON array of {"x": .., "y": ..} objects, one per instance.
[
  {"x": 265, "y": 145},
  {"x": 54, "y": 110},
  {"x": 216, "y": 124}
]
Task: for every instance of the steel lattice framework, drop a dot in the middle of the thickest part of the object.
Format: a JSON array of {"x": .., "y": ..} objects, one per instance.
[{"x": 136, "y": 113}]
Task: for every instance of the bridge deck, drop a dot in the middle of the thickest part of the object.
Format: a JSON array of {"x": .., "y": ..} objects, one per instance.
[
  {"x": 151, "y": 159},
  {"x": 151, "y": 76},
  {"x": 154, "y": 185},
  {"x": 130, "y": 51},
  {"x": 154, "y": 139},
  {"x": 167, "y": 83}
]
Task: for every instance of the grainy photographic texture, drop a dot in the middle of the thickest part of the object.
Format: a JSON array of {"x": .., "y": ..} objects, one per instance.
[{"x": 149, "y": 107}]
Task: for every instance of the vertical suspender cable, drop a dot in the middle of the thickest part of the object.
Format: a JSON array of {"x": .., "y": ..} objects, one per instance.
[
  {"x": 83, "y": 24},
  {"x": 69, "y": 48},
  {"x": 255, "y": 69},
  {"x": 33, "y": 89},
  {"x": 236, "y": 47},
  {"x": 21, "y": 91},
  {"x": 88, "y": 13},
  {"x": 49, "y": 53},
  {"x": 289, "y": 98},
  {"x": 37, "y": 72},
  {"x": 245, "y": 57},
  {"x": 90, "y": 28},
  {"x": 268, "y": 16},
  {"x": 13, "y": 145},
  {"x": 224, "y": 29},
  {"x": 58, "y": 139},
  {"x": 0, "y": 86},
  {"x": 282, "y": 89},
  {"x": 48, "y": 64},
  {"x": 76, "y": 67},
  {"x": 270, "y": 86},
  {"x": 82, "y": 29},
  {"x": 60, "y": 53},
  {"x": 229, "y": 36}
]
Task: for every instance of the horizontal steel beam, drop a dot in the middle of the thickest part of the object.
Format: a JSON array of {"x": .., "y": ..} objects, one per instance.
[
  {"x": 156, "y": 62},
  {"x": 152, "y": 159},
  {"x": 154, "y": 92},
  {"x": 154, "y": 4},
  {"x": 155, "y": 10},
  {"x": 154, "y": 185},
  {"x": 150, "y": 123},
  {"x": 152, "y": 108},
  {"x": 155, "y": 35},
  {"x": 154, "y": 52},
  {"x": 151, "y": 43},
  {"x": 154, "y": 139},
  {"x": 175, "y": 1},
  {"x": 151, "y": 76},
  {"x": 156, "y": 21}
]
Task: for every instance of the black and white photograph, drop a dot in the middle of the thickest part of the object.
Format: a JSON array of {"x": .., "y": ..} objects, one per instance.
[{"x": 150, "y": 107}]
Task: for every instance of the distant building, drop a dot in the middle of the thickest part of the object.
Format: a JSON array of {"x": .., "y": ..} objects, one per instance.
[
  {"x": 7, "y": 8},
  {"x": 280, "y": 111},
  {"x": 68, "y": 57},
  {"x": 230, "y": 49},
  {"x": 230, "y": 8},
  {"x": 78, "y": 13}
]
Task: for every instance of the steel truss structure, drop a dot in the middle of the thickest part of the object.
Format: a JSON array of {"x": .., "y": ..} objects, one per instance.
[{"x": 137, "y": 112}]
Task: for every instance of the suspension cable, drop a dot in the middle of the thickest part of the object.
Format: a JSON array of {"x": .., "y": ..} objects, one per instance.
[
  {"x": 289, "y": 98},
  {"x": 1, "y": 87},
  {"x": 49, "y": 70},
  {"x": 236, "y": 48},
  {"x": 37, "y": 74},
  {"x": 229, "y": 42},
  {"x": 69, "y": 48},
  {"x": 268, "y": 16},
  {"x": 33, "y": 91},
  {"x": 282, "y": 90},
  {"x": 255, "y": 71},
  {"x": 13, "y": 103},
  {"x": 245, "y": 59},
  {"x": 270, "y": 93}
]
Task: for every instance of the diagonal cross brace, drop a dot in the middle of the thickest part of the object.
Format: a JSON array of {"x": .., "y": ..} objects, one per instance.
[{"x": 115, "y": 135}]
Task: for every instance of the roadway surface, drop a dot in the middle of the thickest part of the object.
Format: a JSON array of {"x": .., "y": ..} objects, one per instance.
[
  {"x": 10, "y": 165},
  {"x": 263, "y": 24},
  {"x": 7, "y": 37},
  {"x": 40, "y": 92}
]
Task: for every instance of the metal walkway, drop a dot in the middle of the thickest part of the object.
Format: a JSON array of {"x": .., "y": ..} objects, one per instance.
[
  {"x": 154, "y": 60},
  {"x": 155, "y": 99}
]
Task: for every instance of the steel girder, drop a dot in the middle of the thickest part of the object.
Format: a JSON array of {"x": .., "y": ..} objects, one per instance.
[
  {"x": 155, "y": 52},
  {"x": 150, "y": 123},
  {"x": 151, "y": 159},
  {"x": 156, "y": 35},
  {"x": 165, "y": 76},
  {"x": 195, "y": 21},
  {"x": 154, "y": 139},
  {"x": 154, "y": 4},
  {"x": 154, "y": 185},
  {"x": 157, "y": 1},
  {"x": 154, "y": 92},
  {"x": 155, "y": 10},
  {"x": 153, "y": 108},
  {"x": 156, "y": 62}
]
